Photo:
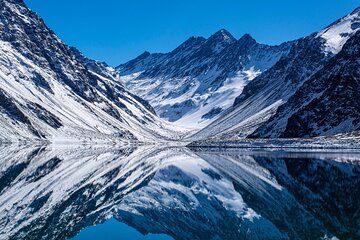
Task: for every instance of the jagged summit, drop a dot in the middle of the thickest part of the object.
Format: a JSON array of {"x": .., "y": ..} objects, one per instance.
[
  {"x": 195, "y": 39},
  {"x": 218, "y": 67},
  {"x": 222, "y": 35},
  {"x": 144, "y": 55},
  {"x": 247, "y": 39},
  {"x": 189, "y": 44}
]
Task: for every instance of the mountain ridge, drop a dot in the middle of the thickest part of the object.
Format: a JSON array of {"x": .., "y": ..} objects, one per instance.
[
  {"x": 325, "y": 102},
  {"x": 58, "y": 94},
  {"x": 195, "y": 82},
  {"x": 220, "y": 86},
  {"x": 262, "y": 97}
]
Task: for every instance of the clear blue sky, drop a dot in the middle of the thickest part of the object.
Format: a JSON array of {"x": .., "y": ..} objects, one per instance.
[{"x": 116, "y": 31}]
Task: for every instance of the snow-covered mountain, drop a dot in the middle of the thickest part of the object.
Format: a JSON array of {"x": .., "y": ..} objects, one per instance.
[
  {"x": 53, "y": 192},
  {"x": 326, "y": 104},
  {"x": 196, "y": 82},
  {"x": 314, "y": 67},
  {"x": 49, "y": 91}
]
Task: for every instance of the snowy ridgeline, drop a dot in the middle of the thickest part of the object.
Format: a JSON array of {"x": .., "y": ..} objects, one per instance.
[
  {"x": 49, "y": 91},
  {"x": 312, "y": 91},
  {"x": 219, "y": 88},
  {"x": 192, "y": 85},
  {"x": 197, "y": 83}
]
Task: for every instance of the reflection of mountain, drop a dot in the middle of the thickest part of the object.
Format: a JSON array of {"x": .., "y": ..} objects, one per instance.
[
  {"x": 305, "y": 197},
  {"x": 190, "y": 199},
  {"x": 52, "y": 193}
]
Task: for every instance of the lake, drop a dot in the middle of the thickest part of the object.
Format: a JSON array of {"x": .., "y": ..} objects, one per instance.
[{"x": 152, "y": 192}]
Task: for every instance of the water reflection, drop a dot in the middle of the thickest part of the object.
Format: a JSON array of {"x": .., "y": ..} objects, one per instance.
[{"x": 55, "y": 192}]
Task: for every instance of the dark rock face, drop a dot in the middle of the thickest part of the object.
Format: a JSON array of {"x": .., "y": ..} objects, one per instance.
[
  {"x": 45, "y": 116},
  {"x": 212, "y": 113},
  {"x": 11, "y": 109},
  {"x": 287, "y": 74},
  {"x": 305, "y": 94},
  {"x": 326, "y": 104},
  {"x": 8, "y": 107}
]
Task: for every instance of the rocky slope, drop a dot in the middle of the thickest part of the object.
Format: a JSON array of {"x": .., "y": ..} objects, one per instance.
[
  {"x": 298, "y": 73},
  {"x": 50, "y": 91},
  {"x": 196, "y": 82},
  {"x": 327, "y": 104}
]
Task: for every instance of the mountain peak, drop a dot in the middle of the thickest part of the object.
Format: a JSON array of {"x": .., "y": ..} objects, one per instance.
[
  {"x": 190, "y": 43},
  {"x": 194, "y": 39},
  {"x": 223, "y": 31},
  {"x": 339, "y": 32},
  {"x": 144, "y": 55},
  {"x": 223, "y": 36},
  {"x": 247, "y": 39},
  {"x": 356, "y": 10}
]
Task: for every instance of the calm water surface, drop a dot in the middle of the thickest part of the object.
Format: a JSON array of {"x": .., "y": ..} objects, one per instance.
[{"x": 97, "y": 192}]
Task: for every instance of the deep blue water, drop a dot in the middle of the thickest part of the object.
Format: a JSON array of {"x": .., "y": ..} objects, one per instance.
[{"x": 114, "y": 230}]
